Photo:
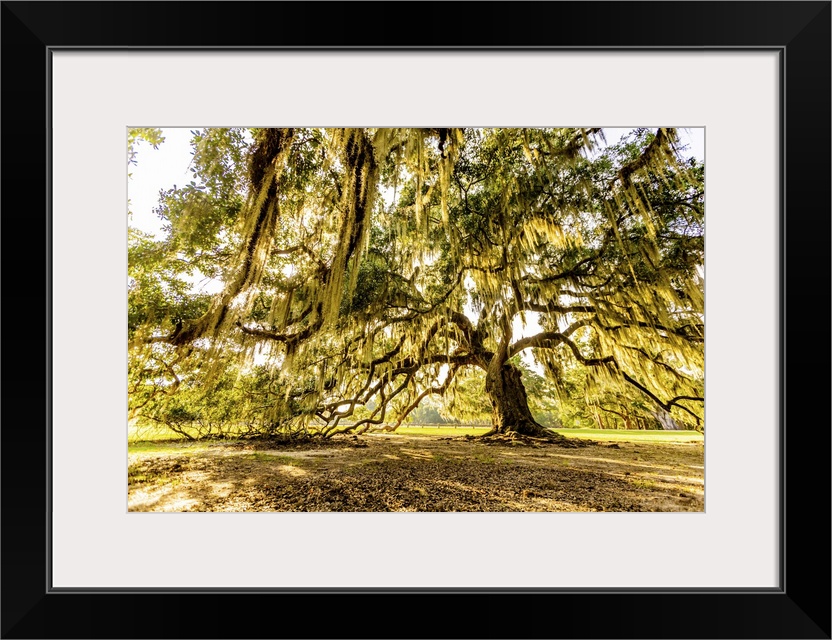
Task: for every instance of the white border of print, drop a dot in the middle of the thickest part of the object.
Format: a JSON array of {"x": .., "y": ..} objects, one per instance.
[{"x": 97, "y": 543}]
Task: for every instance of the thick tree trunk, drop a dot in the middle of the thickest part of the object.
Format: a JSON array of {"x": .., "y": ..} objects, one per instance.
[{"x": 510, "y": 405}]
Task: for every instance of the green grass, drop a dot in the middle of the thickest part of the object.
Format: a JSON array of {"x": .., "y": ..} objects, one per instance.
[
  {"x": 633, "y": 436},
  {"x": 590, "y": 434},
  {"x": 157, "y": 433},
  {"x": 151, "y": 433},
  {"x": 150, "y": 439},
  {"x": 160, "y": 433},
  {"x": 166, "y": 446}
]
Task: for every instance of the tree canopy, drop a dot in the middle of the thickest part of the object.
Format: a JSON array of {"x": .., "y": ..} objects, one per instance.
[{"x": 364, "y": 270}]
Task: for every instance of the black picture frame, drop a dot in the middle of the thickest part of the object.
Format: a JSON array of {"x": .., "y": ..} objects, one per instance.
[{"x": 799, "y": 608}]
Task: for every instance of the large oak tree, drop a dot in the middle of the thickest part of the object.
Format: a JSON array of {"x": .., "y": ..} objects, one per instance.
[{"x": 363, "y": 270}]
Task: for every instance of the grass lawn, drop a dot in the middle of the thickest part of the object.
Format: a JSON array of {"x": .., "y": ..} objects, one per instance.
[
  {"x": 632, "y": 435},
  {"x": 147, "y": 439}
]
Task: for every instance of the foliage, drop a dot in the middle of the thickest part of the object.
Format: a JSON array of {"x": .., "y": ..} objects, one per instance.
[
  {"x": 135, "y": 135},
  {"x": 365, "y": 270}
]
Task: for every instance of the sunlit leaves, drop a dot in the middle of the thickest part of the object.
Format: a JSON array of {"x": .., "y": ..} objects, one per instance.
[
  {"x": 380, "y": 265},
  {"x": 137, "y": 134}
]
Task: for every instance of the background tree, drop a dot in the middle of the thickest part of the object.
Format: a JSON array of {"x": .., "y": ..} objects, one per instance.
[{"x": 372, "y": 268}]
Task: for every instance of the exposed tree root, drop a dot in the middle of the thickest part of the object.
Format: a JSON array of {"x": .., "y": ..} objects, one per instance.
[{"x": 512, "y": 438}]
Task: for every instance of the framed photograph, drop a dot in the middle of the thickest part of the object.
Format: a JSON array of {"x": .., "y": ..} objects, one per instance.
[{"x": 755, "y": 76}]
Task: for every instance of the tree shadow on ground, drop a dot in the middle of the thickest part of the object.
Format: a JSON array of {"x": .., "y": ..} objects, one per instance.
[{"x": 421, "y": 476}]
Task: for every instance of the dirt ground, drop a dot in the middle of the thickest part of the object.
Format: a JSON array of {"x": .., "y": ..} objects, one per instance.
[{"x": 392, "y": 472}]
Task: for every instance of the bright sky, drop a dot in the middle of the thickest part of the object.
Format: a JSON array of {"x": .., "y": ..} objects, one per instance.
[
  {"x": 166, "y": 166},
  {"x": 157, "y": 169}
]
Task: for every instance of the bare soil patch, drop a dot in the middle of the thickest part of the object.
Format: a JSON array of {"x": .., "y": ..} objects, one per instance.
[{"x": 391, "y": 472}]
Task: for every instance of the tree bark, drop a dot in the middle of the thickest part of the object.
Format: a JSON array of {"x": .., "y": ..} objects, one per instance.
[{"x": 510, "y": 405}]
